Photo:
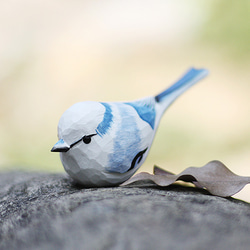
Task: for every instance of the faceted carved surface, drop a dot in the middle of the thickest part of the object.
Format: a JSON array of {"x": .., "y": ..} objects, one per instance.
[
  {"x": 107, "y": 159},
  {"x": 119, "y": 134}
]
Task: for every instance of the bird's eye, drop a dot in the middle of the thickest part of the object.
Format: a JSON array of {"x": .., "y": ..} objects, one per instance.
[{"x": 86, "y": 139}]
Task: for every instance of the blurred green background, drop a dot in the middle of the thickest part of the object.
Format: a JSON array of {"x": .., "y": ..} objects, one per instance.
[{"x": 55, "y": 53}]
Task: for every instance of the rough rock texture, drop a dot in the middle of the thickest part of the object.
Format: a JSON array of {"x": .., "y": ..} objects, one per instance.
[{"x": 48, "y": 211}]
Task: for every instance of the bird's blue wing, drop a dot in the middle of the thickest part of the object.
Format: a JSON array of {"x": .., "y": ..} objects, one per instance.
[
  {"x": 126, "y": 142},
  {"x": 145, "y": 108}
]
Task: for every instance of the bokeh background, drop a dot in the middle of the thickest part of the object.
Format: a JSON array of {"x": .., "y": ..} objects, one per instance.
[{"x": 55, "y": 53}]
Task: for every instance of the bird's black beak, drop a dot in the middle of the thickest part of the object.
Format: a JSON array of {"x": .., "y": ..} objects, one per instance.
[{"x": 60, "y": 146}]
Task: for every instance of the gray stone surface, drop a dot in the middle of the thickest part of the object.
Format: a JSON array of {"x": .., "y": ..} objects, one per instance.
[{"x": 48, "y": 211}]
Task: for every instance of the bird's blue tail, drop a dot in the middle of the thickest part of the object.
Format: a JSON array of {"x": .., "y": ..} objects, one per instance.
[{"x": 190, "y": 78}]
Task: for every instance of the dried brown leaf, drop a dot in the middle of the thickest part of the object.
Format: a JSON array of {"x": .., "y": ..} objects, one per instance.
[
  {"x": 214, "y": 176},
  {"x": 160, "y": 171}
]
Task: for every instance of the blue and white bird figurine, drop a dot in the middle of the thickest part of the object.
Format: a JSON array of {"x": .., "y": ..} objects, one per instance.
[{"x": 105, "y": 143}]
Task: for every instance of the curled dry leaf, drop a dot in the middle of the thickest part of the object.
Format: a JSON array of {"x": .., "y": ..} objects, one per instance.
[{"x": 214, "y": 176}]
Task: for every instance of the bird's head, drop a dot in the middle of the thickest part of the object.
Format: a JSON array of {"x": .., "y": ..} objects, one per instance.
[{"x": 78, "y": 125}]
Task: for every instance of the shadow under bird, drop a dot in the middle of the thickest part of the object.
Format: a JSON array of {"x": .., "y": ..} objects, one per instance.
[{"x": 105, "y": 143}]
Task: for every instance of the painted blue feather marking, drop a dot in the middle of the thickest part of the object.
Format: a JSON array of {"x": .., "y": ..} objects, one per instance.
[
  {"x": 127, "y": 142},
  {"x": 106, "y": 123},
  {"x": 191, "y": 75},
  {"x": 146, "y": 112}
]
